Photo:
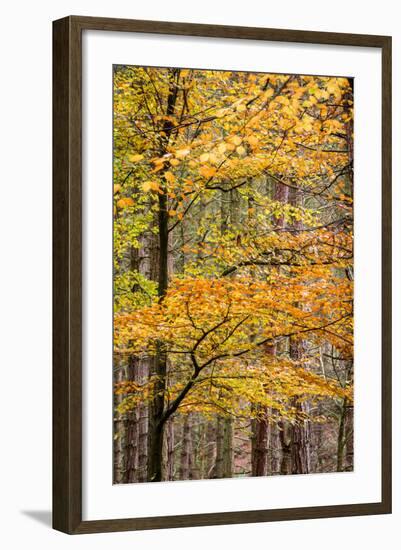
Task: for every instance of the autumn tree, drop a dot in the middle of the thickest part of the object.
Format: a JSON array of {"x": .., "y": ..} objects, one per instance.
[{"x": 233, "y": 262}]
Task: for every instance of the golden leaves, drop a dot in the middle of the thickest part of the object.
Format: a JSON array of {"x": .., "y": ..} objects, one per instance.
[
  {"x": 242, "y": 128},
  {"x": 169, "y": 176},
  {"x": 207, "y": 171},
  {"x": 221, "y": 112},
  {"x": 181, "y": 153},
  {"x": 150, "y": 186},
  {"x": 124, "y": 202},
  {"x": 332, "y": 126},
  {"x": 231, "y": 310},
  {"x": 235, "y": 140},
  {"x": 135, "y": 158},
  {"x": 268, "y": 94},
  {"x": 252, "y": 140}
]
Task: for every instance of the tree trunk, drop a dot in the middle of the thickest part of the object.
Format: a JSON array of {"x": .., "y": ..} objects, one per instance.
[
  {"x": 286, "y": 455},
  {"x": 260, "y": 444},
  {"x": 341, "y": 438},
  {"x": 186, "y": 449},
  {"x": 119, "y": 426},
  {"x": 301, "y": 432},
  {"x": 274, "y": 450},
  {"x": 131, "y": 438},
  {"x": 224, "y": 434},
  {"x": 262, "y": 432},
  {"x": 345, "y": 438},
  {"x": 169, "y": 451},
  {"x": 196, "y": 441},
  {"x": 210, "y": 459},
  {"x": 147, "y": 266},
  {"x": 156, "y": 423}
]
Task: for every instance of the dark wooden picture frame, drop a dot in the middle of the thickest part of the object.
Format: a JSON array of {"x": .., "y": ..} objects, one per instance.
[{"x": 67, "y": 275}]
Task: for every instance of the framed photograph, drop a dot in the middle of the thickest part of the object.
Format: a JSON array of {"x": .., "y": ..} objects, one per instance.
[{"x": 222, "y": 275}]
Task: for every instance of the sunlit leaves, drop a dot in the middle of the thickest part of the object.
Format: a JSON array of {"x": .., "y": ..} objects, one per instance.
[
  {"x": 253, "y": 268},
  {"x": 150, "y": 186},
  {"x": 124, "y": 202},
  {"x": 135, "y": 158}
]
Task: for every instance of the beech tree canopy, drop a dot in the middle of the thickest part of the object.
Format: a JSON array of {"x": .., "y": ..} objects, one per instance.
[{"x": 233, "y": 274}]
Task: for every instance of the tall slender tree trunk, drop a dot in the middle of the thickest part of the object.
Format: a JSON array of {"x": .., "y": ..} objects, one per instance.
[
  {"x": 224, "y": 451},
  {"x": 126, "y": 428},
  {"x": 281, "y": 194},
  {"x": 345, "y": 442},
  {"x": 169, "y": 450},
  {"x": 349, "y": 442},
  {"x": 261, "y": 428},
  {"x": 301, "y": 431},
  {"x": 210, "y": 459},
  {"x": 224, "y": 428},
  {"x": 131, "y": 438},
  {"x": 186, "y": 448},
  {"x": 147, "y": 266},
  {"x": 274, "y": 450},
  {"x": 341, "y": 437},
  {"x": 196, "y": 440},
  {"x": 260, "y": 445},
  {"x": 119, "y": 427},
  {"x": 156, "y": 422},
  {"x": 286, "y": 444}
]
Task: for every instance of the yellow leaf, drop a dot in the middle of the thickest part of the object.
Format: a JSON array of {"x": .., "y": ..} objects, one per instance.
[
  {"x": 204, "y": 157},
  {"x": 241, "y": 150},
  {"x": 241, "y": 108},
  {"x": 116, "y": 187},
  {"x": 126, "y": 201},
  {"x": 222, "y": 148},
  {"x": 170, "y": 177},
  {"x": 150, "y": 186},
  {"x": 158, "y": 167},
  {"x": 221, "y": 112},
  {"x": 268, "y": 93},
  {"x": 236, "y": 140},
  {"x": 253, "y": 140},
  {"x": 135, "y": 158},
  {"x": 207, "y": 171},
  {"x": 174, "y": 162},
  {"x": 181, "y": 153},
  {"x": 172, "y": 212},
  {"x": 188, "y": 184}
]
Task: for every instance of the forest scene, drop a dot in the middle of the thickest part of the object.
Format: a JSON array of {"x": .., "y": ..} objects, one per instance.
[{"x": 233, "y": 274}]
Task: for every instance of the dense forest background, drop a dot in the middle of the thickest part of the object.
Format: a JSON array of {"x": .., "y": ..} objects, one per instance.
[{"x": 233, "y": 274}]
